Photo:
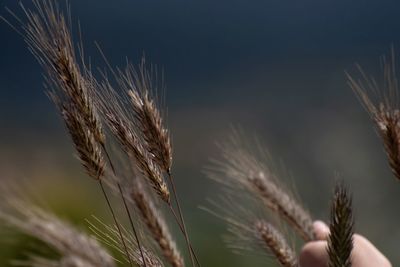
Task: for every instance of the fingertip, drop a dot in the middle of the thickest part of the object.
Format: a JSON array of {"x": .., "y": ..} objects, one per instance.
[{"x": 321, "y": 230}]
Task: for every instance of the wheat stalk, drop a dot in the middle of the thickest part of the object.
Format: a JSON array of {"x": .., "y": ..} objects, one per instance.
[
  {"x": 121, "y": 125},
  {"x": 381, "y": 101},
  {"x": 136, "y": 191},
  {"x": 58, "y": 234},
  {"x": 90, "y": 155},
  {"x": 239, "y": 168},
  {"x": 250, "y": 232},
  {"x": 275, "y": 242},
  {"x": 49, "y": 38},
  {"x": 142, "y": 136},
  {"x": 88, "y": 150},
  {"x": 139, "y": 85},
  {"x": 340, "y": 242},
  {"x": 48, "y": 35},
  {"x": 109, "y": 236},
  {"x": 156, "y": 224}
]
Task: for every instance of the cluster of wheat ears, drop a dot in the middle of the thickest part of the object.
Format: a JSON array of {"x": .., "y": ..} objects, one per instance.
[{"x": 121, "y": 110}]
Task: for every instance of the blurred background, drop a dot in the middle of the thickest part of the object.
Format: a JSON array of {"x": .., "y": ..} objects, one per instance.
[{"x": 276, "y": 68}]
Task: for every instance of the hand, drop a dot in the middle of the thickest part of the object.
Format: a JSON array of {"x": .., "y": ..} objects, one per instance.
[{"x": 314, "y": 254}]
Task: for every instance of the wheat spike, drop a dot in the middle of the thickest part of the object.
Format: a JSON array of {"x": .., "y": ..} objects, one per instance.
[
  {"x": 250, "y": 232},
  {"x": 340, "y": 243},
  {"x": 380, "y": 98},
  {"x": 47, "y": 32},
  {"x": 241, "y": 169},
  {"x": 88, "y": 150},
  {"x": 275, "y": 242},
  {"x": 139, "y": 85},
  {"x": 71, "y": 86},
  {"x": 122, "y": 126},
  {"x": 156, "y": 225},
  {"x": 48, "y": 35},
  {"x": 148, "y": 121},
  {"x": 58, "y": 234},
  {"x": 109, "y": 236}
]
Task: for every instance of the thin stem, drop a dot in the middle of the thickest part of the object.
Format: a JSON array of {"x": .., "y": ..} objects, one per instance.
[
  {"x": 116, "y": 222},
  {"x": 185, "y": 233},
  {"x": 132, "y": 225},
  {"x": 126, "y": 209}
]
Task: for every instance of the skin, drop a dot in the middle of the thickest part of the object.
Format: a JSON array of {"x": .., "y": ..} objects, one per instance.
[{"x": 364, "y": 254}]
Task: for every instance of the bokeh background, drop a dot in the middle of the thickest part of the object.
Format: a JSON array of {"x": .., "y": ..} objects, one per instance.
[{"x": 276, "y": 68}]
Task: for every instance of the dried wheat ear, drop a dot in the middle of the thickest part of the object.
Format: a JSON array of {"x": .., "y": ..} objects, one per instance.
[
  {"x": 380, "y": 98},
  {"x": 240, "y": 168}
]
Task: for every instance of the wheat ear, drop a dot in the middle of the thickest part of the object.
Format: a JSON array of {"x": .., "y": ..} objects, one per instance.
[
  {"x": 383, "y": 109},
  {"x": 109, "y": 236},
  {"x": 239, "y": 168},
  {"x": 88, "y": 150},
  {"x": 275, "y": 242},
  {"x": 250, "y": 232},
  {"x": 60, "y": 235},
  {"x": 121, "y": 125},
  {"x": 49, "y": 38},
  {"x": 156, "y": 224},
  {"x": 340, "y": 242},
  {"x": 139, "y": 85},
  {"x": 90, "y": 155}
]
